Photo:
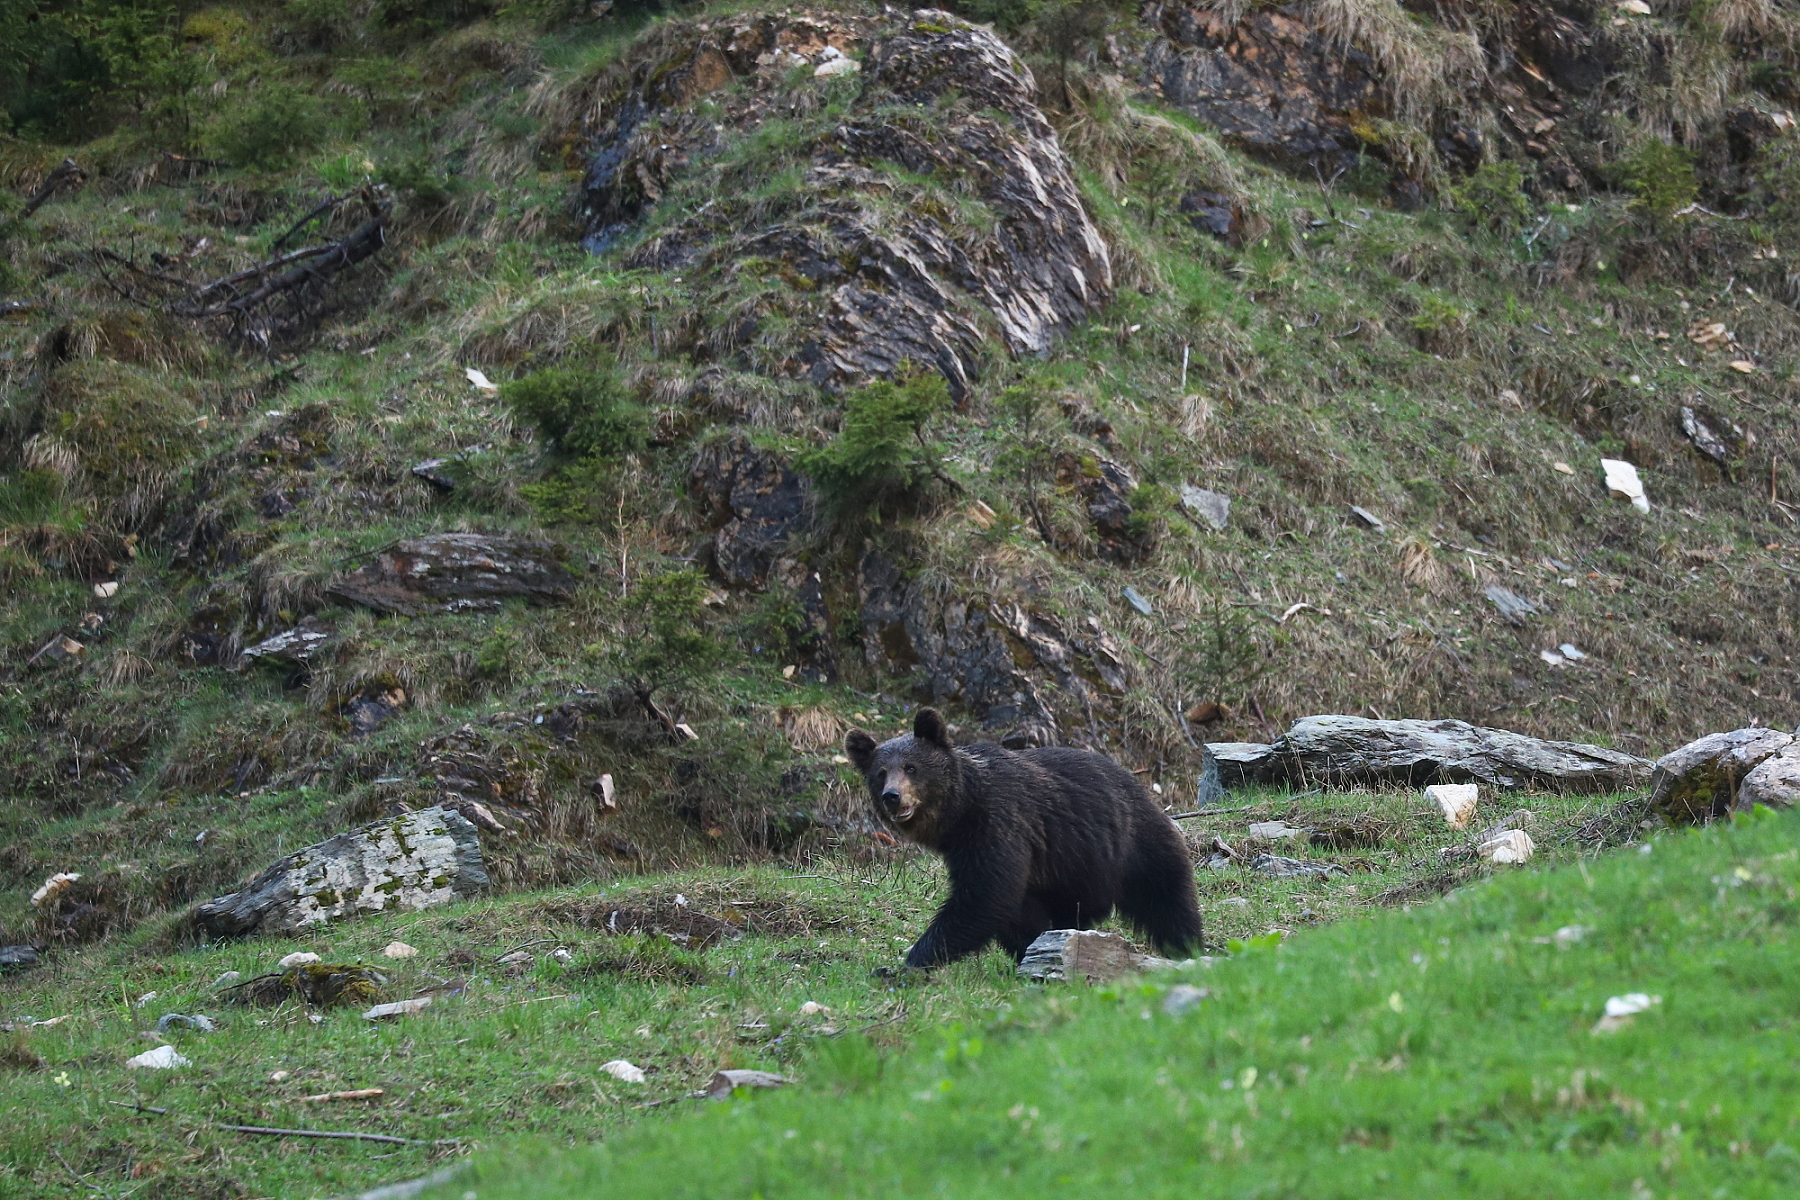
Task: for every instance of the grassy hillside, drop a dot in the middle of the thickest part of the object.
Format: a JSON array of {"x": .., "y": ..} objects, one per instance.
[
  {"x": 979, "y": 334},
  {"x": 1447, "y": 1051},
  {"x": 514, "y": 1049}
]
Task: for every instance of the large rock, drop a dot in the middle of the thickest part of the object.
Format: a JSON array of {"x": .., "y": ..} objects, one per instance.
[
  {"x": 457, "y": 571},
  {"x": 873, "y": 261},
  {"x": 1702, "y": 780},
  {"x": 1085, "y": 954},
  {"x": 753, "y": 501},
  {"x": 1357, "y": 749},
  {"x": 413, "y": 861},
  {"x": 1773, "y": 783},
  {"x": 1270, "y": 82},
  {"x": 1014, "y": 668}
]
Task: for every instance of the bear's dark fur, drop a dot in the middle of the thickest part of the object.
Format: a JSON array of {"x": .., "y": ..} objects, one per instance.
[{"x": 1035, "y": 839}]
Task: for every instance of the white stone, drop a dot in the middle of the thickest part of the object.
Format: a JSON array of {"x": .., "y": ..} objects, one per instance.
[
  {"x": 399, "y": 950},
  {"x": 163, "y": 1058},
  {"x": 1457, "y": 800},
  {"x": 53, "y": 887},
  {"x": 298, "y": 958},
  {"x": 399, "y": 1008},
  {"x": 623, "y": 1071},
  {"x": 1622, "y": 481},
  {"x": 1513, "y": 846},
  {"x": 836, "y": 66}
]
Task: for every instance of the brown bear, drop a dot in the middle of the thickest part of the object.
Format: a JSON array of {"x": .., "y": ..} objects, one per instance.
[{"x": 1040, "y": 839}]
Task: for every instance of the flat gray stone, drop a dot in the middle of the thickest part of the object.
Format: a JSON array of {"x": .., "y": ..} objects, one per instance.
[
  {"x": 1359, "y": 749},
  {"x": 414, "y": 861},
  {"x": 1211, "y": 509}
]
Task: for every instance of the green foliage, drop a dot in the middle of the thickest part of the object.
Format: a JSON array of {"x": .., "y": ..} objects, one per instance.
[
  {"x": 880, "y": 460},
  {"x": 1033, "y": 426},
  {"x": 1223, "y": 654},
  {"x": 280, "y": 123},
  {"x": 586, "y": 412},
  {"x": 1008, "y": 16},
  {"x": 1067, "y": 28},
  {"x": 1493, "y": 197},
  {"x": 846, "y": 1064},
  {"x": 667, "y": 641},
  {"x": 1661, "y": 175}
]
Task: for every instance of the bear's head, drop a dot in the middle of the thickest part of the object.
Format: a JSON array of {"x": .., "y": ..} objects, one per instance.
[{"x": 912, "y": 778}]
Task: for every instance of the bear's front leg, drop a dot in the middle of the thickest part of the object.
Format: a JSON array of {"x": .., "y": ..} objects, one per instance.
[{"x": 986, "y": 891}]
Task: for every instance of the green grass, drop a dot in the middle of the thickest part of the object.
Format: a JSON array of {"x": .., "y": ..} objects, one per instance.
[
  {"x": 1444, "y": 1051},
  {"x": 516, "y": 1055}
]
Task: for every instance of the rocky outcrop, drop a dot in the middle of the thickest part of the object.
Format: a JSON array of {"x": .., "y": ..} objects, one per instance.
[
  {"x": 753, "y": 501},
  {"x": 1710, "y": 777},
  {"x": 1360, "y": 750},
  {"x": 414, "y": 861},
  {"x": 1002, "y": 661},
  {"x": 884, "y": 260},
  {"x": 1270, "y": 82},
  {"x": 455, "y": 572}
]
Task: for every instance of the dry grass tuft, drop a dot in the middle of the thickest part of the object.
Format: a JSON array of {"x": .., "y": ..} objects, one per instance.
[{"x": 813, "y": 728}]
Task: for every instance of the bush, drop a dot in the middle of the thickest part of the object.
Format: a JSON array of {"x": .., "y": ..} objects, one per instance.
[
  {"x": 880, "y": 460},
  {"x": 1661, "y": 176},
  {"x": 1494, "y": 197},
  {"x": 280, "y": 124},
  {"x": 587, "y": 413}
]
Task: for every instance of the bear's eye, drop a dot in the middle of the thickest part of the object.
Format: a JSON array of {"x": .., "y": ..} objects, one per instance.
[{"x": 909, "y": 768}]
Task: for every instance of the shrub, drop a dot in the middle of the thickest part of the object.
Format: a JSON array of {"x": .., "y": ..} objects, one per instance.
[
  {"x": 280, "y": 123},
  {"x": 880, "y": 460},
  {"x": 1661, "y": 175},
  {"x": 1493, "y": 196},
  {"x": 584, "y": 412}
]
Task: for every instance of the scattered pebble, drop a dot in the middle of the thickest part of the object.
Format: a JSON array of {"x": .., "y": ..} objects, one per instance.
[
  {"x": 1457, "y": 800},
  {"x": 399, "y": 950},
  {"x": 399, "y": 1008},
  {"x": 297, "y": 959},
  {"x": 623, "y": 1071}
]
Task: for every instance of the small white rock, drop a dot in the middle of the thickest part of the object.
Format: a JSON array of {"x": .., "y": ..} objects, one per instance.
[
  {"x": 1622, "y": 481},
  {"x": 1457, "y": 800},
  {"x": 812, "y": 1008},
  {"x": 1569, "y": 652},
  {"x": 836, "y": 66},
  {"x": 623, "y": 1071},
  {"x": 1512, "y": 846},
  {"x": 1182, "y": 997},
  {"x": 399, "y": 950},
  {"x": 298, "y": 958},
  {"x": 163, "y": 1058},
  {"x": 399, "y": 1008},
  {"x": 53, "y": 887},
  {"x": 277, "y": 1076},
  {"x": 107, "y": 590},
  {"x": 227, "y": 979},
  {"x": 482, "y": 382}
]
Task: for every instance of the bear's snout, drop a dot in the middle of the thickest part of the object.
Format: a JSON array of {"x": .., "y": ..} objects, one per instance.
[{"x": 898, "y": 799}]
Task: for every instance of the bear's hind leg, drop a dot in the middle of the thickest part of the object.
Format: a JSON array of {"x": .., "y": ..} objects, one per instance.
[{"x": 1158, "y": 897}]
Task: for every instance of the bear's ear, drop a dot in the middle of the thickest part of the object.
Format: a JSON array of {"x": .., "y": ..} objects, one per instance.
[
  {"x": 861, "y": 749},
  {"x": 929, "y": 726}
]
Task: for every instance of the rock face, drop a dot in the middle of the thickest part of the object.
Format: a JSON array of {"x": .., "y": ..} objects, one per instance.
[
  {"x": 1003, "y": 662},
  {"x": 1708, "y": 778},
  {"x": 1269, "y": 82},
  {"x": 454, "y": 572},
  {"x": 1357, "y": 749},
  {"x": 879, "y": 270},
  {"x": 414, "y": 861},
  {"x": 753, "y": 501}
]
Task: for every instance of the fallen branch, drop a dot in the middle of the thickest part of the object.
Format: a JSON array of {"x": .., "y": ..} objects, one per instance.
[
  {"x": 63, "y": 174},
  {"x": 271, "y": 1131}
]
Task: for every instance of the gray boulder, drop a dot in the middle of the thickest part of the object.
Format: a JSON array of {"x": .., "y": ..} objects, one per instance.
[
  {"x": 413, "y": 861},
  {"x": 1346, "y": 749},
  {"x": 1701, "y": 781}
]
